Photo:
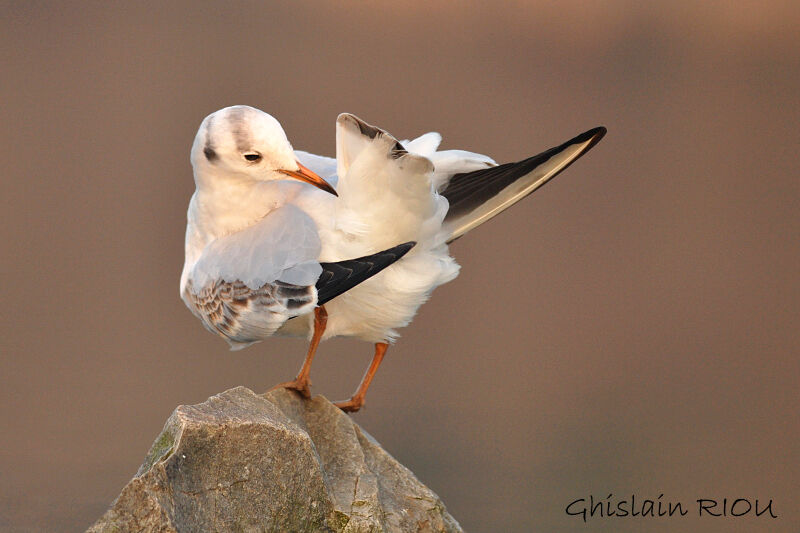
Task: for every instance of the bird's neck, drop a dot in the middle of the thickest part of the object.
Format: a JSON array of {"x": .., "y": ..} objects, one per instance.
[
  {"x": 229, "y": 204},
  {"x": 223, "y": 207}
]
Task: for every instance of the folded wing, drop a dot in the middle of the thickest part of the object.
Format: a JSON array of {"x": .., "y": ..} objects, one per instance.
[
  {"x": 342, "y": 276},
  {"x": 284, "y": 245},
  {"x": 245, "y": 286}
]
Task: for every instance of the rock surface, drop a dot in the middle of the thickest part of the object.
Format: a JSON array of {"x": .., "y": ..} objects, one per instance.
[{"x": 244, "y": 462}]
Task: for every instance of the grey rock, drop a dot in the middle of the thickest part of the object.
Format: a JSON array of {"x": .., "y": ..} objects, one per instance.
[{"x": 244, "y": 462}]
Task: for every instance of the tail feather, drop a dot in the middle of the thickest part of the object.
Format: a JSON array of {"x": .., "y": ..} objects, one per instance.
[
  {"x": 341, "y": 276},
  {"x": 477, "y": 196}
]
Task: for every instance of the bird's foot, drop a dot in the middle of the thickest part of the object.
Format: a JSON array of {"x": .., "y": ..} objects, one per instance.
[
  {"x": 301, "y": 386},
  {"x": 352, "y": 405}
]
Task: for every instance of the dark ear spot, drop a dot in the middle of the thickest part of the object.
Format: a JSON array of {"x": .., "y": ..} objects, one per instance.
[{"x": 211, "y": 155}]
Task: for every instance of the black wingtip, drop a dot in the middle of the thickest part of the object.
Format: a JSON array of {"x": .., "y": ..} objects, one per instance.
[
  {"x": 341, "y": 276},
  {"x": 594, "y": 135},
  {"x": 403, "y": 249},
  {"x": 467, "y": 191}
]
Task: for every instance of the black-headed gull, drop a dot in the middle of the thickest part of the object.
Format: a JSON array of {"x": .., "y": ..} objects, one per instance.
[{"x": 274, "y": 233}]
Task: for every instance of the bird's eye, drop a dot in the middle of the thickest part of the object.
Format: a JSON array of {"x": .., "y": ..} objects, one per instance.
[{"x": 252, "y": 156}]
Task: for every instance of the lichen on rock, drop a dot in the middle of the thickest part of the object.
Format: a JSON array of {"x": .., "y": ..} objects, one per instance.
[{"x": 244, "y": 462}]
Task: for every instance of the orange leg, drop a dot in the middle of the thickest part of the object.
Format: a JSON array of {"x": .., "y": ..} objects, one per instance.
[
  {"x": 357, "y": 400},
  {"x": 302, "y": 383}
]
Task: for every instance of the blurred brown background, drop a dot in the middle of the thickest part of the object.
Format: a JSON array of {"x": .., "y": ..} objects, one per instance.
[{"x": 630, "y": 329}]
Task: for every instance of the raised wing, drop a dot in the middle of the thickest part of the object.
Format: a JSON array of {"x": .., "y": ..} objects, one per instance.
[
  {"x": 353, "y": 135},
  {"x": 385, "y": 192},
  {"x": 477, "y": 196},
  {"x": 446, "y": 163}
]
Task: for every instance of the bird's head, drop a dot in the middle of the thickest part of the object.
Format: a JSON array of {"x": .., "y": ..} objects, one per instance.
[{"x": 245, "y": 143}]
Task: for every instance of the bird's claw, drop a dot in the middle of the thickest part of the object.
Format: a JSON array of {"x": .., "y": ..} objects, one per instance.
[
  {"x": 350, "y": 406},
  {"x": 301, "y": 386}
]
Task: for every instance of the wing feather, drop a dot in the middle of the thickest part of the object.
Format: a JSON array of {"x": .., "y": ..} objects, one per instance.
[
  {"x": 477, "y": 196},
  {"x": 342, "y": 276},
  {"x": 284, "y": 245},
  {"x": 242, "y": 315}
]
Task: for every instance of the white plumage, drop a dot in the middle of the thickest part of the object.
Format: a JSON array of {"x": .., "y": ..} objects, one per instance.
[{"x": 251, "y": 225}]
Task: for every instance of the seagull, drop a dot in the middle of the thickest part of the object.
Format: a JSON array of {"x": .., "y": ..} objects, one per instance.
[{"x": 284, "y": 242}]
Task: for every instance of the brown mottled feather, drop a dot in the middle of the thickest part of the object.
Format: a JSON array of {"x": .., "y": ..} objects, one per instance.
[{"x": 231, "y": 309}]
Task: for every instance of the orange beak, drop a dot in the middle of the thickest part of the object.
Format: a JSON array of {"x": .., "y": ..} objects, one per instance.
[{"x": 306, "y": 175}]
